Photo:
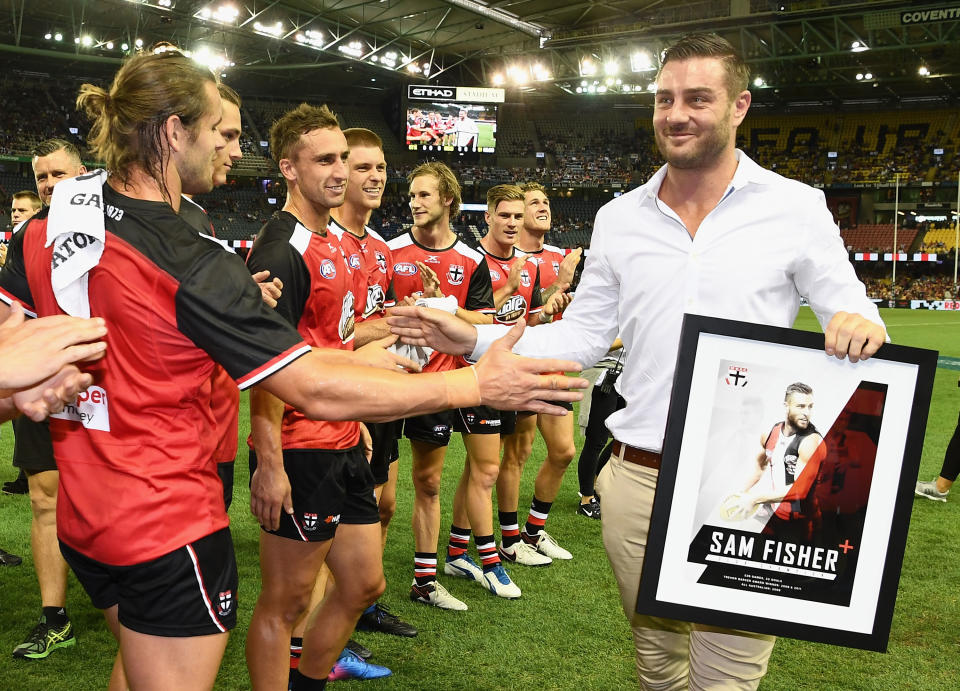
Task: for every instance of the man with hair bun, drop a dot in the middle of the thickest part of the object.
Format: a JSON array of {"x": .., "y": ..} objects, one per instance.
[
  {"x": 710, "y": 233},
  {"x": 140, "y": 517}
]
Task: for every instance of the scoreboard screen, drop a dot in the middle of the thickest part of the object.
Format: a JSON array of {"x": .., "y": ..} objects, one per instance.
[{"x": 447, "y": 126}]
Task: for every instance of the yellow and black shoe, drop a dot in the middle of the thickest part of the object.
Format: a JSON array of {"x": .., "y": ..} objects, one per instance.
[{"x": 44, "y": 639}]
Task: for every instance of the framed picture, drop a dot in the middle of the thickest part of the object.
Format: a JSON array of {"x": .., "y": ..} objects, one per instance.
[{"x": 786, "y": 484}]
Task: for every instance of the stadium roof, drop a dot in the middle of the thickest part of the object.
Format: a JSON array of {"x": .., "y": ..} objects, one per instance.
[{"x": 801, "y": 51}]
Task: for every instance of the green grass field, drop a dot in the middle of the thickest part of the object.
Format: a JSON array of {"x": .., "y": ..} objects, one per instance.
[
  {"x": 567, "y": 631},
  {"x": 485, "y": 137}
]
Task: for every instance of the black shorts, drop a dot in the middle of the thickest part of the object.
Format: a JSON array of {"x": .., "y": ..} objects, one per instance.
[
  {"x": 328, "y": 488},
  {"x": 477, "y": 420},
  {"x": 191, "y": 591},
  {"x": 508, "y": 422},
  {"x": 32, "y": 446},
  {"x": 386, "y": 450},
  {"x": 432, "y": 429},
  {"x": 225, "y": 471}
]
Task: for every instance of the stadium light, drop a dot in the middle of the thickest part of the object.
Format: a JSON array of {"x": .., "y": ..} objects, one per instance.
[
  {"x": 611, "y": 67},
  {"x": 109, "y": 45},
  {"x": 608, "y": 81},
  {"x": 497, "y": 79},
  {"x": 138, "y": 43},
  {"x": 858, "y": 47},
  {"x": 587, "y": 67},
  {"x": 601, "y": 89},
  {"x": 579, "y": 89},
  {"x": 868, "y": 75},
  {"x": 652, "y": 87},
  {"x": 640, "y": 61},
  {"x": 923, "y": 71},
  {"x": 269, "y": 29},
  {"x": 312, "y": 38},
  {"x": 76, "y": 39},
  {"x": 58, "y": 36},
  {"x": 124, "y": 46},
  {"x": 539, "y": 72},
  {"x": 859, "y": 76},
  {"x": 758, "y": 82},
  {"x": 48, "y": 35}
]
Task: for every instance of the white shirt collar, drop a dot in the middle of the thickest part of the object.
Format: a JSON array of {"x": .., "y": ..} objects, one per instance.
[{"x": 747, "y": 173}]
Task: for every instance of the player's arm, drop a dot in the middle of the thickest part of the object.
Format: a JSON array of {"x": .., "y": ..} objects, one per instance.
[
  {"x": 325, "y": 391},
  {"x": 478, "y": 305},
  {"x": 811, "y": 451},
  {"x": 269, "y": 486}
]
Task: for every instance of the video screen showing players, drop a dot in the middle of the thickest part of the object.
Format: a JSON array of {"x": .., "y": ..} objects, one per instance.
[{"x": 452, "y": 127}]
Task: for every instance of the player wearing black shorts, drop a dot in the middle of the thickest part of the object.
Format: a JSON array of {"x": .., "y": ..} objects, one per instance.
[
  {"x": 431, "y": 261},
  {"x": 315, "y": 470},
  {"x": 369, "y": 256}
]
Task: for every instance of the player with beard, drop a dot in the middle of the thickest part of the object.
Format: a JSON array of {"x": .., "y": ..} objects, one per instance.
[
  {"x": 140, "y": 515},
  {"x": 431, "y": 261},
  {"x": 710, "y": 233},
  {"x": 533, "y": 546},
  {"x": 776, "y": 488},
  {"x": 368, "y": 254},
  {"x": 226, "y": 395}
]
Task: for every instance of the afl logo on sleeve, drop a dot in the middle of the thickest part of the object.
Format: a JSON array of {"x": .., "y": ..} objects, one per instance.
[
  {"x": 405, "y": 269},
  {"x": 455, "y": 274},
  {"x": 328, "y": 269}
]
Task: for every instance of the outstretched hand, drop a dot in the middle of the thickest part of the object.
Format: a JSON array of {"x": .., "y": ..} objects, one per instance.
[
  {"x": 375, "y": 354},
  {"x": 511, "y": 382},
  {"x": 270, "y": 290},
  {"x": 433, "y": 328}
]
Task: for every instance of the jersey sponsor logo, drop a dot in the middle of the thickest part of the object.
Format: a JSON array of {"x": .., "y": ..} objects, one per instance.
[
  {"x": 328, "y": 269},
  {"x": 736, "y": 376},
  {"x": 91, "y": 409},
  {"x": 556, "y": 267},
  {"x": 405, "y": 269},
  {"x": 381, "y": 261},
  {"x": 354, "y": 261},
  {"x": 455, "y": 274},
  {"x": 525, "y": 278},
  {"x": 432, "y": 259},
  {"x": 332, "y": 519},
  {"x": 512, "y": 310},
  {"x": 494, "y": 275},
  {"x": 345, "y": 327},
  {"x": 310, "y": 521},
  {"x": 225, "y": 598},
  {"x": 375, "y": 299}
]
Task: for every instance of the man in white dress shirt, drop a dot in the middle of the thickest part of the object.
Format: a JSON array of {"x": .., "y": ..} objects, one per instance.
[{"x": 710, "y": 233}]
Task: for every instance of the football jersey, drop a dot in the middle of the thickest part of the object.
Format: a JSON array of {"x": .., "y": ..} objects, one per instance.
[
  {"x": 526, "y": 300},
  {"x": 137, "y": 479},
  {"x": 318, "y": 299},
  {"x": 548, "y": 258},
  {"x": 225, "y": 396},
  {"x": 461, "y": 271},
  {"x": 370, "y": 259}
]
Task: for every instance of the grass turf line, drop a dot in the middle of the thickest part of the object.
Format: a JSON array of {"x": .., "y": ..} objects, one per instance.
[{"x": 567, "y": 631}]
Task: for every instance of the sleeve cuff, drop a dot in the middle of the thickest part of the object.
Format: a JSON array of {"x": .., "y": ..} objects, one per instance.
[{"x": 486, "y": 335}]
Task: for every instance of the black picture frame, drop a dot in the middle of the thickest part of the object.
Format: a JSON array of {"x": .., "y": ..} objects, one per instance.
[{"x": 716, "y": 563}]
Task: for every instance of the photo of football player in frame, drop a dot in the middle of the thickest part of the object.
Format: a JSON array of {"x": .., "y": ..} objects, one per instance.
[{"x": 786, "y": 484}]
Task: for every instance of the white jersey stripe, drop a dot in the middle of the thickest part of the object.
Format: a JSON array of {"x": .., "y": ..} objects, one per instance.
[{"x": 203, "y": 590}]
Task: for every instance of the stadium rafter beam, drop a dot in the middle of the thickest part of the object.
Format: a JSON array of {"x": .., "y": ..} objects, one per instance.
[{"x": 501, "y": 17}]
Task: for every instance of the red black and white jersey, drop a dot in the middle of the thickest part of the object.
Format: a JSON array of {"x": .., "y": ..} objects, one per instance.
[
  {"x": 461, "y": 271},
  {"x": 226, "y": 396},
  {"x": 370, "y": 259},
  {"x": 318, "y": 299},
  {"x": 548, "y": 258},
  {"x": 526, "y": 300},
  {"x": 137, "y": 479}
]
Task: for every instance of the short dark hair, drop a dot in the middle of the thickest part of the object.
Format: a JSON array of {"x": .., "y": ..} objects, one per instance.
[
  {"x": 704, "y": 45},
  {"x": 797, "y": 387},
  {"x": 285, "y": 132},
  {"x": 50, "y": 146}
]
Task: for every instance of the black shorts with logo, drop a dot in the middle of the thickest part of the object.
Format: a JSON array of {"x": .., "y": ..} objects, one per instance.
[
  {"x": 386, "y": 450},
  {"x": 328, "y": 488},
  {"x": 477, "y": 420},
  {"x": 434, "y": 428},
  {"x": 191, "y": 591}
]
